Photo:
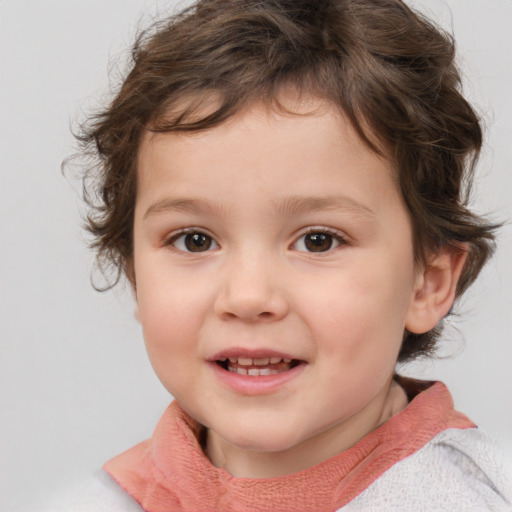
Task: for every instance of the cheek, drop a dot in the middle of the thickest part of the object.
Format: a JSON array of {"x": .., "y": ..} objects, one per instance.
[
  {"x": 168, "y": 301},
  {"x": 168, "y": 338},
  {"x": 169, "y": 322},
  {"x": 360, "y": 312},
  {"x": 169, "y": 315}
]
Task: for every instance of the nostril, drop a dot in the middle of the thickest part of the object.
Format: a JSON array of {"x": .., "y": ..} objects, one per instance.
[{"x": 251, "y": 303}]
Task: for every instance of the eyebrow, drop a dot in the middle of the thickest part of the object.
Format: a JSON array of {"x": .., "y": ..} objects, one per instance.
[
  {"x": 185, "y": 205},
  {"x": 300, "y": 204},
  {"x": 287, "y": 205}
]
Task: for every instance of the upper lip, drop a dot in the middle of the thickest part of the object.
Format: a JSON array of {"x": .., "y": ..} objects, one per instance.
[{"x": 258, "y": 353}]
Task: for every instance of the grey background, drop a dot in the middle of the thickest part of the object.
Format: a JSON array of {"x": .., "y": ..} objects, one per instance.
[{"x": 75, "y": 385}]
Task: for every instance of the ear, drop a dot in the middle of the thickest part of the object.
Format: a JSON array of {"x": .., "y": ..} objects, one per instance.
[{"x": 435, "y": 289}]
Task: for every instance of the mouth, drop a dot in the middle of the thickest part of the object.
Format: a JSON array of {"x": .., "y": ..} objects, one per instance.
[
  {"x": 256, "y": 372},
  {"x": 257, "y": 366}
]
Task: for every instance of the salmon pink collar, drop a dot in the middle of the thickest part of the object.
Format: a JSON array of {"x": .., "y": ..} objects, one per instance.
[{"x": 171, "y": 472}]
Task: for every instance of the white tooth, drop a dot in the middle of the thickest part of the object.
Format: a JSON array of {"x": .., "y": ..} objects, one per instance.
[
  {"x": 245, "y": 361},
  {"x": 231, "y": 369},
  {"x": 274, "y": 360},
  {"x": 265, "y": 371},
  {"x": 254, "y": 372},
  {"x": 233, "y": 359},
  {"x": 263, "y": 361},
  {"x": 274, "y": 372},
  {"x": 286, "y": 360},
  {"x": 241, "y": 371}
]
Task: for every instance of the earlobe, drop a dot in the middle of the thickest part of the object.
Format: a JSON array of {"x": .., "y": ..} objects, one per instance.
[{"x": 436, "y": 288}]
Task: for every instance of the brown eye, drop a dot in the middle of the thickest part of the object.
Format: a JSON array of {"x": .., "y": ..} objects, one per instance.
[
  {"x": 197, "y": 242},
  {"x": 318, "y": 241},
  {"x": 194, "y": 242}
]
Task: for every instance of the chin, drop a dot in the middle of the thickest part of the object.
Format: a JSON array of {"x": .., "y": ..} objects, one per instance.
[{"x": 260, "y": 439}]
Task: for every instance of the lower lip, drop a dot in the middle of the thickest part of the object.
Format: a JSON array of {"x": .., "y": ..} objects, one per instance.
[{"x": 256, "y": 385}]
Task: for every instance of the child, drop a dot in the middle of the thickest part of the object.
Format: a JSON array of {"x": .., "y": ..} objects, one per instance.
[{"x": 281, "y": 182}]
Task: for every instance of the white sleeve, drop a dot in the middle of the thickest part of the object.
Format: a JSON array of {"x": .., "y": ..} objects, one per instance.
[{"x": 100, "y": 493}]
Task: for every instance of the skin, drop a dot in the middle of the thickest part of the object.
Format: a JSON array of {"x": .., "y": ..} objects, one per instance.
[{"x": 256, "y": 186}]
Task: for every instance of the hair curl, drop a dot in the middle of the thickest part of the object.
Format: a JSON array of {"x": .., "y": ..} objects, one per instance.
[{"x": 387, "y": 68}]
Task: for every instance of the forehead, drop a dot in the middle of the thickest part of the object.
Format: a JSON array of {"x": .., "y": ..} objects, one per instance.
[
  {"x": 191, "y": 114},
  {"x": 302, "y": 146},
  {"x": 187, "y": 116}
]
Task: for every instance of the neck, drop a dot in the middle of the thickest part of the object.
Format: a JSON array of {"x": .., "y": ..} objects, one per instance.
[{"x": 243, "y": 463}]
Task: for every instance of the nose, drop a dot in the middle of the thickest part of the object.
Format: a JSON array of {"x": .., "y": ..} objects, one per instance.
[{"x": 251, "y": 290}]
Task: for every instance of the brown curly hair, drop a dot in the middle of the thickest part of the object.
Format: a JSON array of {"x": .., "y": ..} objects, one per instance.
[{"x": 389, "y": 70}]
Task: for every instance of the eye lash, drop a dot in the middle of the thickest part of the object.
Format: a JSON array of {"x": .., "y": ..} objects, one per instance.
[
  {"x": 327, "y": 231},
  {"x": 170, "y": 239},
  {"x": 337, "y": 240}
]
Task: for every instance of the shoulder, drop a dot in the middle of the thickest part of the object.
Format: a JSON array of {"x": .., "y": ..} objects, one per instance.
[
  {"x": 462, "y": 470},
  {"x": 99, "y": 493}
]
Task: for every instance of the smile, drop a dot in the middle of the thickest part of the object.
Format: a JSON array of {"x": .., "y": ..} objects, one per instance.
[
  {"x": 258, "y": 367},
  {"x": 255, "y": 372}
]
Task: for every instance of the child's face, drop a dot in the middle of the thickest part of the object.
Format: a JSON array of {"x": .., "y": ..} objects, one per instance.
[{"x": 281, "y": 237}]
